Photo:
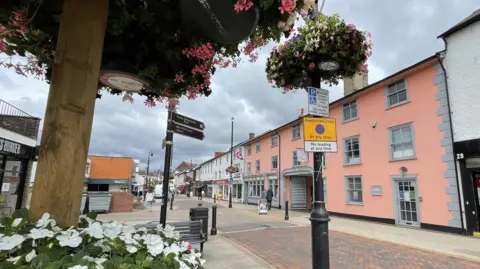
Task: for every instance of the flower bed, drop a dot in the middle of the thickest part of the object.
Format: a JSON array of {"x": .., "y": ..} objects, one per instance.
[
  {"x": 322, "y": 38},
  {"x": 93, "y": 245}
]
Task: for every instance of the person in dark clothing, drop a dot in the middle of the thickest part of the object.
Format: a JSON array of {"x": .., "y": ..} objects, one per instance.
[{"x": 269, "y": 198}]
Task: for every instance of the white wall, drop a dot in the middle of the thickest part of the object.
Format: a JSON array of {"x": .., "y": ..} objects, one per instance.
[{"x": 462, "y": 62}]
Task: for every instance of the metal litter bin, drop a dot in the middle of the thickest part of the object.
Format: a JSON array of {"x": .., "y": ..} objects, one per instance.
[{"x": 200, "y": 213}]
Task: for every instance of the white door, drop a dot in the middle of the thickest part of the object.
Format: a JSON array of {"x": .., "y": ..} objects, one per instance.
[
  {"x": 407, "y": 203},
  {"x": 298, "y": 192}
]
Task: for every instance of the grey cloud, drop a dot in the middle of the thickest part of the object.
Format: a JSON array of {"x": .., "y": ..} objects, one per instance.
[{"x": 404, "y": 32}]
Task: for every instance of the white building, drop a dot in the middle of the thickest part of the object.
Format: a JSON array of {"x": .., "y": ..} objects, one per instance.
[
  {"x": 213, "y": 173},
  {"x": 460, "y": 109}
]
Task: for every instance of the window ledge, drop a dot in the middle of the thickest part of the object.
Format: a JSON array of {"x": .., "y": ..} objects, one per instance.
[
  {"x": 399, "y": 104},
  {"x": 355, "y": 204},
  {"x": 349, "y": 120},
  {"x": 352, "y": 164},
  {"x": 274, "y": 146},
  {"x": 405, "y": 159},
  {"x": 293, "y": 139}
]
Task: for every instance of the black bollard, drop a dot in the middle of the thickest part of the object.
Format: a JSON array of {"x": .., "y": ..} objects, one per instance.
[
  {"x": 171, "y": 201},
  {"x": 214, "y": 199},
  {"x": 286, "y": 211},
  {"x": 214, "y": 221}
]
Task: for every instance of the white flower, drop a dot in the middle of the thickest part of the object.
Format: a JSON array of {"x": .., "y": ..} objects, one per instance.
[
  {"x": 14, "y": 259},
  {"x": 173, "y": 248},
  {"x": 104, "y": 244},
  {"x": 190, "y": 258},
  {"x": 1, "y": 235},
  {"x": 182, "y": 264},
  {"x": 154, "y": 243},
  {"x": 95, "y": 230},
  {"x": 128, "y": 239},
  {"x": 69, "y": 238},
  {"x": 131, "y": 249},
  {"x": 30, "y": 256},
  {"x": 169, "y": 232},
  {"x": 45, "y": 220},
  {"x": 10, "y": 242},
  {"x": 17, "y": 222},
  {"x": 40, "y": 233},
  {"x": 112, "y": 229},
  {"x": 98, "y": 261},
  {"x": 78, "y": 267}
]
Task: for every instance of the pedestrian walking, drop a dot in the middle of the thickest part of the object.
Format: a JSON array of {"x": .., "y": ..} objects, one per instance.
[
  {"x": 149, "y": 199},
  {"x": 264, "y": 194},
  {"x": 269, "y": 198},
  {"x": 202, "y": 194}
]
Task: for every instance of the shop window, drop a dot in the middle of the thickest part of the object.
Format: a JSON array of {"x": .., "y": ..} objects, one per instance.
[
  {"x": 353, "y": 185},
  {"x": 98, "y": 187}
]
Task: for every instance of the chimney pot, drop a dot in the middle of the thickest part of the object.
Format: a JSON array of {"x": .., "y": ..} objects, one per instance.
[
  {"x": 251, "y": 136},
  {"x": 357, "y": 82}
]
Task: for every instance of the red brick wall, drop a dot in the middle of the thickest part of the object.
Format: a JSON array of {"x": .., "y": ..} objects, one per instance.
[{"x": 121, "y": 202}]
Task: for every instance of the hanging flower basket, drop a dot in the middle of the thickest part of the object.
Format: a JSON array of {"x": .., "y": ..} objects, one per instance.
[
  {"x": 147, "y": 48},
  {"x": 324, "y": 43},
  {"x": 232, "y": 169}
]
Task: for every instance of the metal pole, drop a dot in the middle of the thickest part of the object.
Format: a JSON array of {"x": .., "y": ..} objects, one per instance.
[
  {"x": 166, "y": 169},
  {"x": 319, "y": 215},
  {"x": 230, "y": 182},
  {"x": 145, "y": 185},
  {"x": 286, "y": 210},
  {"x": 171, "y": 201},
  {"x": 214, "y": 221}
]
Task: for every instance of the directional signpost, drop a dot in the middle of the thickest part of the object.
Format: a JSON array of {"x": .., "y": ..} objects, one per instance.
[{"x": 181, "y": 125}]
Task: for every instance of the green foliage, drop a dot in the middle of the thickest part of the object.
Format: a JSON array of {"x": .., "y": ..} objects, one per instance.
[
  {"x": 43, "y": 245},
  {"x": 322, "y": 38}
]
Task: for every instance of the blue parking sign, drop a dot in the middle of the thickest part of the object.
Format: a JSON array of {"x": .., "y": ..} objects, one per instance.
[{"x": 312, "y": 96}]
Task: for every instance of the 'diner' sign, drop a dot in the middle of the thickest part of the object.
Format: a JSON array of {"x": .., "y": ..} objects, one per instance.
[{"x": 320, "y": 134}]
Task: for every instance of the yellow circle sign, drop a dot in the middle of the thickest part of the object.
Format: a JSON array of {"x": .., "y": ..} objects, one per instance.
[{"x": 319, "y": 129}]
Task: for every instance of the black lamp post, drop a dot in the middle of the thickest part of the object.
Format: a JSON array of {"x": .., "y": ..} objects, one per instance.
[
  {"x": 230, "y": 182},
  {"x": 145, "y": 185}
]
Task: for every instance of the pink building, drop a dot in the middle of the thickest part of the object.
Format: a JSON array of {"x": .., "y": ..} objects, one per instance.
[
  {"x": 392, "y": 163},
  {"x": 273, "y": 157}
]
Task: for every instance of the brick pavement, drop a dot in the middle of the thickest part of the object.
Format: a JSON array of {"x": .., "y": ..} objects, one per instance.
[{"x": 290, "y": 248}]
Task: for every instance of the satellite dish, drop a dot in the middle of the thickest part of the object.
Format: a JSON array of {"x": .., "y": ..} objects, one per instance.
[{"x": 218, "y": 20}]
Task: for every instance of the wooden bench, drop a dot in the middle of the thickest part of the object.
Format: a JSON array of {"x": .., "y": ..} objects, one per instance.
[{"x": 190, "y": 231}]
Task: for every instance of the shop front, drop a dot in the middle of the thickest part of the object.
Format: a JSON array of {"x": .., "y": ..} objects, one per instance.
[
  {"x": 298, "y": 187},
  {"x": 272, "y": 180},
  {"x": 255, "y": 185},
  {"x": 220, "y": 188},
  {"x": 15, "y": 159},
  {"x": 209, "y": 188}
]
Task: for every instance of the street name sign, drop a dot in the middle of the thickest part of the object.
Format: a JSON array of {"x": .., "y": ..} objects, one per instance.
[
  {"x": 184, "y": 130},
  {"x": 195, "y": 124},
  {"x": 318, "y": 102},
  {"x": 320, "y": 134}
]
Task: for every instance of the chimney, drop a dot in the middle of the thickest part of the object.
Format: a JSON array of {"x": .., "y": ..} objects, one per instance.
[
  {"x": 357, "y": 82},
  {"x": 251, "y": 136},
  {"x": 218, "y": 154}
]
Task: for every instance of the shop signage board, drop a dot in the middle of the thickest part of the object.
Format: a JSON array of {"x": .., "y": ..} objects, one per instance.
[
  {"x": 186, "y": 126},
  {"x": 318, "y": 102},
  {"x": 320, "y": 134}
]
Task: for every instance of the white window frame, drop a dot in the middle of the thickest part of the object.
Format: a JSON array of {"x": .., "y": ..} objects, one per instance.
[
  {"x": 395, "y": 86},
  {"x": 347, "y": 152},
  {"x": 349, "y": 105},
  {"x": 296, "y": 134},
  {"x": 249, "y": 149},
  {"x": 249, "y": 168},
  {"x": 257, "y": 166},
  {"x": 392, "y": 144},
  {"x": 275, "y": 161},
  {"x": 257, "y": 146},
  {"x": 295, "y": 161},
  {"x": 356, "y": 188},
  {"x": 274, "y": 140}
]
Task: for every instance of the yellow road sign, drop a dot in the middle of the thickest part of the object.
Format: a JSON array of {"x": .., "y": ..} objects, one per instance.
[{"x": 319, "y": 129}]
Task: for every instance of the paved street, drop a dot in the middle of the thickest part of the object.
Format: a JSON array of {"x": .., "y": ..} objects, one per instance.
[{"x": 247, "y": 240}]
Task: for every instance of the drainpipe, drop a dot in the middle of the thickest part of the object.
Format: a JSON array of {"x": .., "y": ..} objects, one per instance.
[
  {"x": 440, "y": 58},
  {"x": 279, "y": 171}
]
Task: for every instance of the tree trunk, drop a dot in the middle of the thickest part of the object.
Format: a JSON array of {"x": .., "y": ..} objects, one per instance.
[{"x": 68, "y": 120}]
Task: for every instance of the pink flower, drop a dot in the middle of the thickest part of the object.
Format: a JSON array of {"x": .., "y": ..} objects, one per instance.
[
  {"x": 179, "y": 78},
  {"x": 311, "y": 66},
  {"x": 297, "y": 54},
  {"x": 3, "y": 46},
  {"x": 243, "y": 5},
  {"x": 351, "y": 26},
  {"x": 53, "y": 52},
  {"x": 150, "y": 102},
  {"x": 368, "y": 53},
  {"x": 288, "y": 6},
  {"x": 363, "y": 67},
  {"x": 369, "y": 34},
  {"x": 189, "y": 246}
]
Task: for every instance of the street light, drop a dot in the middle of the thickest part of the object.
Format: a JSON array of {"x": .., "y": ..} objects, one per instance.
[
  {"x": 230, "y": 182},
  {"x": 150, "y": 154}
]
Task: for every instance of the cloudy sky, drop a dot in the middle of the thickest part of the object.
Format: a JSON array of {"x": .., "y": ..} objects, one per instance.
[{"x": 404, "y": 32}]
